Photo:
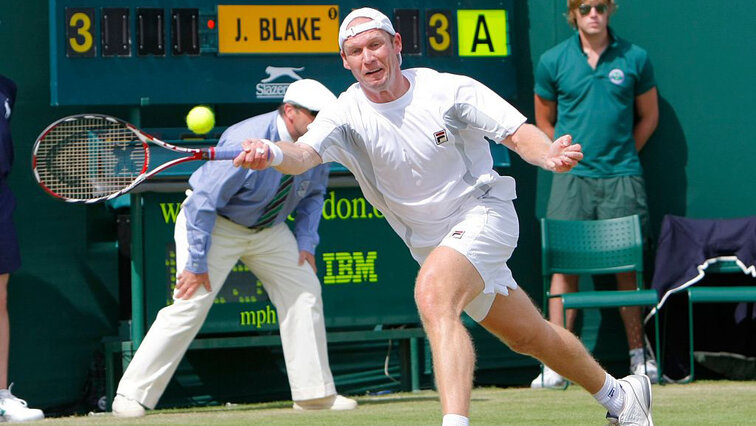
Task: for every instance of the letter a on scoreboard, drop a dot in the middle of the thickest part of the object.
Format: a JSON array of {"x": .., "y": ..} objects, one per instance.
[{"x": 482, "y": 32}]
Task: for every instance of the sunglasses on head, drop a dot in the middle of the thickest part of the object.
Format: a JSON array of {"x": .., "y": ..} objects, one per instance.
[{"x": 585, "y": 9}]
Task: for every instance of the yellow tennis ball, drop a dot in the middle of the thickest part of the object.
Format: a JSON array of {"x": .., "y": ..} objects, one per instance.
[{"x": 200, "y": 120}]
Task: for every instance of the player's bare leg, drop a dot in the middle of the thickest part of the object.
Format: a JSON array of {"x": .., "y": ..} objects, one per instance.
[
  {"x": 561, "y": 284},
  {"x": 640, "y": 361},
  {"x": 4, "y": 331},
  {"x": 12, "y": 409},
  {"x": 516, "y": 321},
  {"x": 447, "y": 281},
  {"x": 631, "y": 315}
]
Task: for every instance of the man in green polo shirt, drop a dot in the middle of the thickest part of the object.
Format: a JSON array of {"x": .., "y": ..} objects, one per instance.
[{"x": 600, "y": 89}]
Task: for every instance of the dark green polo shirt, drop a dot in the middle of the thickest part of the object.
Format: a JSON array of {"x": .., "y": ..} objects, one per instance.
[{"x": 597, "y": 106}]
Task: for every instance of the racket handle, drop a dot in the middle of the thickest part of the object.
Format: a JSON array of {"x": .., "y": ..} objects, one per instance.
[{"x": 223, "y": 153}]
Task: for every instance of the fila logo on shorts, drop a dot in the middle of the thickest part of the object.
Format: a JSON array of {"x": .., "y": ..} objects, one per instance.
[
  {"x": 440, "y": 137},
  {"x": 458, "y": 234}
]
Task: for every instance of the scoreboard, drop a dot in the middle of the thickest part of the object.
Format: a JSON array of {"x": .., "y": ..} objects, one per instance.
[
  {"x": 366, "y": 272},
  {"x": 154, "y": 52}
]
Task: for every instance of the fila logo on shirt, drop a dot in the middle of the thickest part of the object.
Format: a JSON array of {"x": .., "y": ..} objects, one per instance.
[
  {"x": 440, "y": 137},
  {"x": 458, "y": 234}
]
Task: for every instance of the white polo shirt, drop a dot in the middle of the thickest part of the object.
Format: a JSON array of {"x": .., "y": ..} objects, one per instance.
[{"x": 419, "y": 158}]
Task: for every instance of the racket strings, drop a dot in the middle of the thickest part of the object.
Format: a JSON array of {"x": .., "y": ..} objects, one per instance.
[{"x": 90, "y": 157}]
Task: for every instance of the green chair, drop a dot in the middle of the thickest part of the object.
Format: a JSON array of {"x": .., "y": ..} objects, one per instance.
[{"x": 592, "y": 247}]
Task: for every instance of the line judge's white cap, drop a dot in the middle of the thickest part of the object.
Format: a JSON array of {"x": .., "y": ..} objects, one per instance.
[
  {"x": 309, "y": 94},
  {"x": 379, "y": 21}
]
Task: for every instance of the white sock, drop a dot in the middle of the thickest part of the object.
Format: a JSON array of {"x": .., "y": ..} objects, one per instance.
[
  {"x": 455, "y": 420},
  {"x": 611, "y": 396},
  {"x": 636, "y": 356}
]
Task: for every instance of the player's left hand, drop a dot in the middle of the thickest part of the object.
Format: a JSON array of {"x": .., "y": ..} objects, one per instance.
[
  {"x": 563, "y": 155},
  {"x": 306, "y": 256},
  {"x": 255, "y": 155}
]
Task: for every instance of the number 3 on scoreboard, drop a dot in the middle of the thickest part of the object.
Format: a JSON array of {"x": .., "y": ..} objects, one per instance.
[
  {"x": 79, "y": 29},
  {"x": 438, "y": 31}
]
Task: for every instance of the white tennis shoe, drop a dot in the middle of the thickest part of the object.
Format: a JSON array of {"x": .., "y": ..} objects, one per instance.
[
  {"x": 127, "y": 407},
  {"x": 549, "y": 379},
  {"x": 637, "y": 407},
  {"x": 13, "y": 409},
  {"x": 333, "y": 402},
  {"x": 648, "y": 368}
]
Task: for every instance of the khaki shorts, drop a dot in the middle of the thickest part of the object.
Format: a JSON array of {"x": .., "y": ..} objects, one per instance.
[
  {"x": 486, "y": 233},
  {"x": 584, "y": 198}
]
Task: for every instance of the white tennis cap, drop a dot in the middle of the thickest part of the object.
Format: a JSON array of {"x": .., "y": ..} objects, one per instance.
[
  {"x": 309, "y": 94},
  {"x": 379, "y": 21}
]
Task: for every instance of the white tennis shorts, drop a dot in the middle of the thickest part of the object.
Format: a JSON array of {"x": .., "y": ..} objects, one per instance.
[{"x": 486, "y": 233}]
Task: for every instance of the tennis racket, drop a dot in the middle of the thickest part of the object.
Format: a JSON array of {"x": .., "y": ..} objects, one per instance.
[{"x": 89, "y": 158}]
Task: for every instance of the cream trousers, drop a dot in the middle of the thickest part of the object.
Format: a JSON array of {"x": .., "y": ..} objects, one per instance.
[{"x": 272, "y": 255}]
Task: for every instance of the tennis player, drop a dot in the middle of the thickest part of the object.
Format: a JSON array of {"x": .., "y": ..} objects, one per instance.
[{"x": 415, "y": 141}]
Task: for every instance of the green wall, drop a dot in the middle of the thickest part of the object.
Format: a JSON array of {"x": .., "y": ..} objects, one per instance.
[{"x": 698, "y": 164}]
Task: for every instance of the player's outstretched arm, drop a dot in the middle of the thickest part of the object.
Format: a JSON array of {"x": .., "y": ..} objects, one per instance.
[
  {"x": 286, "y": 157},
  {"x": 536, "y": 148}
]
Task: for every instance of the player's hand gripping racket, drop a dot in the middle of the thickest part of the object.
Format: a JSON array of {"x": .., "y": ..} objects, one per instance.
[{"x": 90, "y": 158}]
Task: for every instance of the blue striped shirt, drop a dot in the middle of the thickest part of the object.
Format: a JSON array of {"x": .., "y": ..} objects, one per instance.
[{"x": 241, "y": 195}]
